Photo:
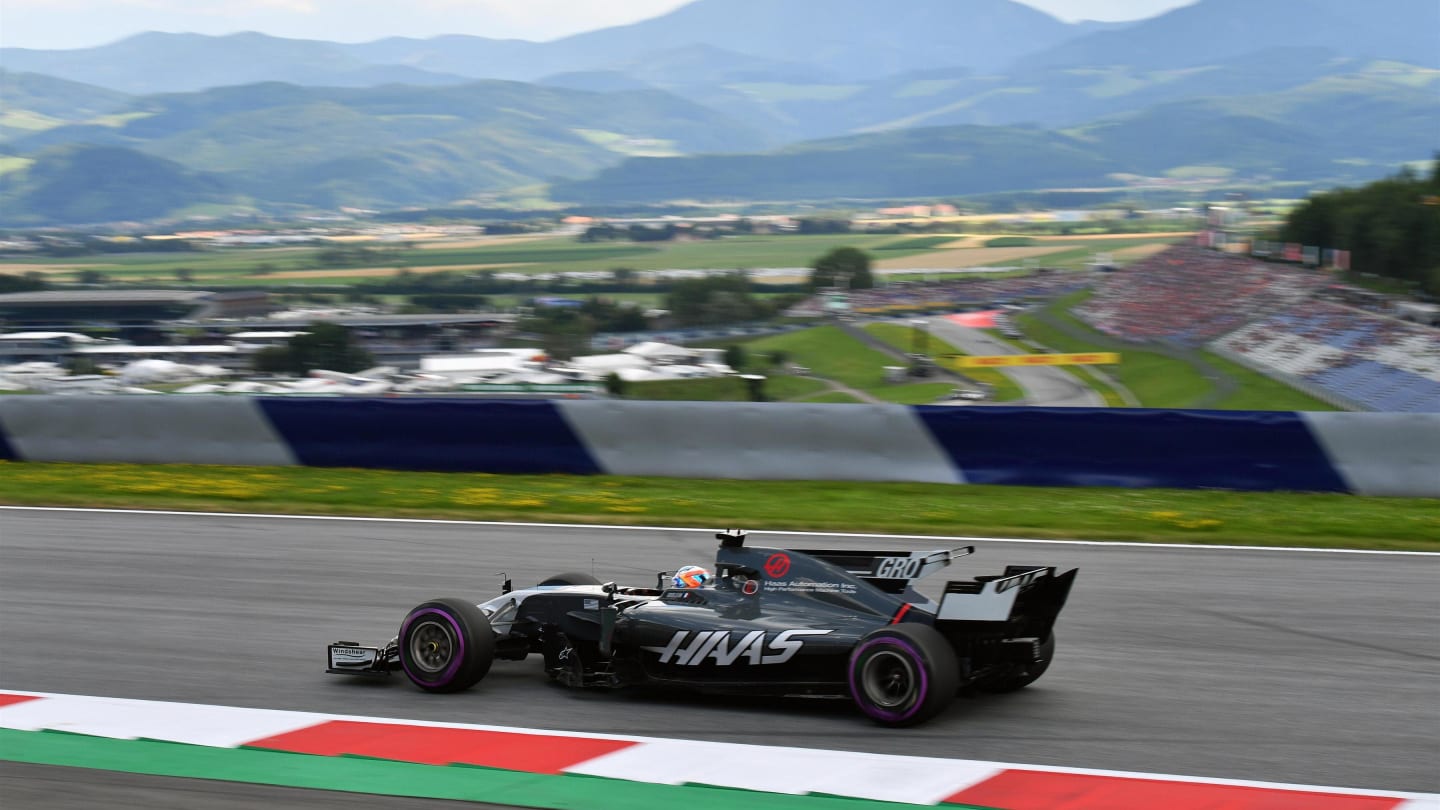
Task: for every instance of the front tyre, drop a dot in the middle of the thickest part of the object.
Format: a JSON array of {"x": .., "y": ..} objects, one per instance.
[
  {"x": 446, "y": 645},
  {"x": 903, "y": 674}
]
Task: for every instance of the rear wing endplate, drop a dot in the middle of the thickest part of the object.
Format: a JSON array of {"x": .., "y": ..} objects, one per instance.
[{"x": 1023, "y": 589}]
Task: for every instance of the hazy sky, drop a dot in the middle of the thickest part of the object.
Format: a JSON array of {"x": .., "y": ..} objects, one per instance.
[{"x": 82, "y": 23}]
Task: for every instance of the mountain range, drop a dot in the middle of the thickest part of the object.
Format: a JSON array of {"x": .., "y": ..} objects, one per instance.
[{"x": 1324, "y": 90}]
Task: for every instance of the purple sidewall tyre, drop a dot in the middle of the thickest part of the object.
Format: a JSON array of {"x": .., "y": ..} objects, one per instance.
[
  {"x": 448, "y": 674},
  {"x": 446, "y": 645},
  {"x": 922, "y": 678},
  {"x": 913, "y": 704}
]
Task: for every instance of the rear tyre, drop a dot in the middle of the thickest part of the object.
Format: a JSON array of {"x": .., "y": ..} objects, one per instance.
[
  {"x": 1022, "y": 677},
  {"x": 446, "y": 645},
  {"x": 570, "y": 578},
  {"x": 903, "y": 674}
]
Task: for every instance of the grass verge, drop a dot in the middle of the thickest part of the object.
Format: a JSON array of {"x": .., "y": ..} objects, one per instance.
[
  {"x": 1163, "y": 516},
  {"x": 1104, "y": 389},
  {"x": 725, "y": 389},
  {"x": 1260, "y": 393},
  {"x": 1156, "y": 380},
  {"x": 1002, "y": 388},
  {"x": 1165, "y": 382}
]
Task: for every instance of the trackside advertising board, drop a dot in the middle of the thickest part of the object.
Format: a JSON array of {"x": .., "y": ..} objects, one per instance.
[{"x": 990, "y": 361}]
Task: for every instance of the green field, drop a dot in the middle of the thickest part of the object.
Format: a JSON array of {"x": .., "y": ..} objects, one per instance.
[
  {"x": 1003, "y": 389},
  {"x": 916, "y": 243},
  {"x": 1184, "y": 516},
  {"x": 1260, "y": 393},
  {"x": 778, "y": 388},
  {"x": 299, "y": 265},
  {"x": 832, "y": 397},
  {"x": 830, "y": 353},
  {"x": 912, "y": 393},
  {"x": 1104, "y": 389},
  {"x": 1080, "y": 253},
  {"x": 1160, "y": 381}
]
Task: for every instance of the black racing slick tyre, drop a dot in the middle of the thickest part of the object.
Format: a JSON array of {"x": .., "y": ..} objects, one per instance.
[
  {"x": 446, "y": 645},
  {"x": 903, "y": 674},
  {"x": 570, "y": 578},
  {"x": 1023, "y": 677}
]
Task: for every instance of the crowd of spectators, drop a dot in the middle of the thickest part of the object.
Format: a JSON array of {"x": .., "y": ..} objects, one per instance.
[
  {"x": 1370, "y": 359},
  {"x": 959, "y": 293},
  {"x": 1279, "y": 317},
  {"x": 1190, "y": 295}
]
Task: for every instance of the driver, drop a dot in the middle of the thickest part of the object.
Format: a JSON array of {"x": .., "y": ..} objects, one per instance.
[{"x": 691, "y": 576}]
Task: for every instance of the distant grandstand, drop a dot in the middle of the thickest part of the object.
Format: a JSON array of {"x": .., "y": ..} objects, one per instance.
[
  {"x": 1284, "y": 321},
  {"x": 1350, "y": 347},
  {"x": 68, "y": 308},
  {"x": 916, "y": 297},
  {"x": 1373, "y": 362}
]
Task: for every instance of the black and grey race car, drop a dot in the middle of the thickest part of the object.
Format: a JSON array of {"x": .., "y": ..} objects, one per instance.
[{"x": 771, "y": 622}]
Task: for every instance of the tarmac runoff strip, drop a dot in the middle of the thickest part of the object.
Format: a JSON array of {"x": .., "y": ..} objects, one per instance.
[{"x": 546, "y": 769}]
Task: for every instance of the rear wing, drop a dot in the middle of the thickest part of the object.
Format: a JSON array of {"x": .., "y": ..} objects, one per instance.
[
  {"x": 890, "y": 571},
  {"x": 1030, "y": 593}
]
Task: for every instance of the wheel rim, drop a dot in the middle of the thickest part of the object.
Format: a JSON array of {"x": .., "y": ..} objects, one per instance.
[
  {"x": 888, "y": 679},
  {"x": 431, "y": 646}
]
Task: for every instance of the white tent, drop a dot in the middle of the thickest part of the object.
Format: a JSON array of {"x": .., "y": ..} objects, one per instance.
[
  {"x": 606, "y": 363},
  {"x": 660, "y": 352},
  {"x": 158, "y": 371},
  {"x": 641, "y": 375}
]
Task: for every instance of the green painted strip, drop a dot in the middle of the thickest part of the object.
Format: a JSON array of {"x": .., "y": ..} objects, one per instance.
[{"x": 382, "y": 777}]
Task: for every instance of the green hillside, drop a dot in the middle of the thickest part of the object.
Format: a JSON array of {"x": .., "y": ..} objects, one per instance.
[
  {"x": 30, "y": 102},
  {"x": 1384, "y": 123},
  {"x": 1389, "y": 116},
  {"x": 935, "y": 99},
  {"x": 1050, "y": 97},
  {"x": 102, "y": 184},
  {"x": 910, "y": 163},
  {"x": 395, "y": 146}
]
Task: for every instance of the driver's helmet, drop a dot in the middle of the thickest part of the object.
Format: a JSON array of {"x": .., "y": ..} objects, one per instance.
[{"x": 691, "y": 576}]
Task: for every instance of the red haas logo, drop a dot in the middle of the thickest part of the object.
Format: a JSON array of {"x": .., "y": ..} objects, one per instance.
[{"x": 777, "y": 566}]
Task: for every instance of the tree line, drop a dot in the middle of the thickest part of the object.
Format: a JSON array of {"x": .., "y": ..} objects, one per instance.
[
  {"x": 727, "y": 299},
  {"x": 1391, "y": 227}
]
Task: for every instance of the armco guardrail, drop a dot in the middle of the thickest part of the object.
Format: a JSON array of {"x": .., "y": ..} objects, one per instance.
[{"x": 1366, "y": 453}]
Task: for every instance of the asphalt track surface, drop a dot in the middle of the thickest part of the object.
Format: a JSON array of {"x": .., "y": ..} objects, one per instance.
[
  {"x": 1300, "y": 667},
  {"x": 1050, "y": 386}
]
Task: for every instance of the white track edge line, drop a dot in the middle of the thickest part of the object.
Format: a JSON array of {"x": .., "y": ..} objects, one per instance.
[
  {"x": 1137, "y": 544},
  {"x": 642, "y": 740}
]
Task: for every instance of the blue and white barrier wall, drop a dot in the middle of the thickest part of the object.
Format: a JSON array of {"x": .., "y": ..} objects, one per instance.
[{"x": 1363, "y": 453}]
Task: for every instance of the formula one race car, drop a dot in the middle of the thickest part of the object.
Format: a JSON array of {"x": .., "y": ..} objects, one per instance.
[{"x": 769, "y": 622}]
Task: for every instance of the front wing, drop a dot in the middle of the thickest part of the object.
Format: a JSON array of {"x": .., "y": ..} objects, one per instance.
[{"x": 350, "y": 658}]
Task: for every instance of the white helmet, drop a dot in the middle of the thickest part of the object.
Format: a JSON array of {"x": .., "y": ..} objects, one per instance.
[{"x": 691, "y": 576}]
